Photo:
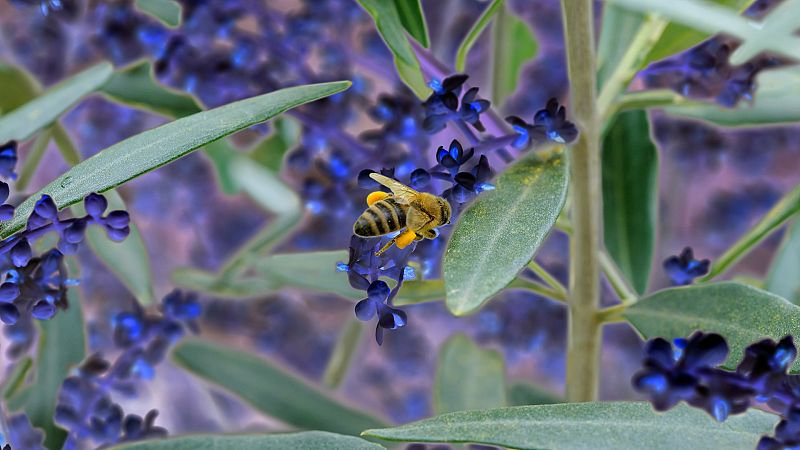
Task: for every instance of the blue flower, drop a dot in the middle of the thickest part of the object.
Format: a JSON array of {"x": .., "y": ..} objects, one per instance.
[
  {"x": 8, "y": 160},
  {"x": 467, "y": 185},
  {"x": 454, "y": 156},
  {"x": 549, "y": 123},
  {"x": 389, "y": 318},
  {"x": 472, "y": 108},
  {"x": 22, "y": 434},
  {"x": 442, "y": 103},
  {"x": 683, "y": 269}
]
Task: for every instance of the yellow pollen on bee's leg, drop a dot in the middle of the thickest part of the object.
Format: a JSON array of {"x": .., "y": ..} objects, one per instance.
[
  {"x": 406, "y": 238},
  {"x": 375, "y": 197}
]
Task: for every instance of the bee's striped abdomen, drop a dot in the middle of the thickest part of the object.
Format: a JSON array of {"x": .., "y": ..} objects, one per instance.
[{"x": 381, "y": 218}]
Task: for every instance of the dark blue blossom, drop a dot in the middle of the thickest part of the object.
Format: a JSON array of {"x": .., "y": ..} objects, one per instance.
[
  {"x": 704, "y": 71},
  {"x": 454, "y": 156},
  {"x": 22, "y": 434},
  {"x": 690, "y": 372},
  {"x": 469, "y": 184},
  {"x": 8, "y": 160},
  {"x": 85, "y": 406},
  {"x": 683, "y": 269},
  {"x": 375, "y": 304},
  {"x": 472, "y": 108},
  {"x": 549, "y": 123}
]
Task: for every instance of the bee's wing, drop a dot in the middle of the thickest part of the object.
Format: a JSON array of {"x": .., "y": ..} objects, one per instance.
[{"x": 402, "y": 193}]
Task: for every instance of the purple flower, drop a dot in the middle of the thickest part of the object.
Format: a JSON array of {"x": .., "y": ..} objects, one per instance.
[
  {"x": 549, "y": 123},
  {"x": 683, "y": 269}
]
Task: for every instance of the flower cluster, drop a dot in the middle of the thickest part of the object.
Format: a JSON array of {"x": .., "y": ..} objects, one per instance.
[
  {"x": 684, "y": 268},
  {"x": 704, "y": 72},
  {"x": 443, "y": 104},
  {"x": 364, "y": 271},
  {"x": 688, "y": 371},
  {"x": 37, "y": 284},
  {"x": 549, "y": 123},
  {"x": 85, "y": 406}
]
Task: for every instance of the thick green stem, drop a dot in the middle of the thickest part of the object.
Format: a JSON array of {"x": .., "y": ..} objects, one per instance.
[{"x": 583, "y": 342}]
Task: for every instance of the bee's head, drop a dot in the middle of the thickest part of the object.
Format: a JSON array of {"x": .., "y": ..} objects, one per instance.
[{"x": 445, "y": 211}]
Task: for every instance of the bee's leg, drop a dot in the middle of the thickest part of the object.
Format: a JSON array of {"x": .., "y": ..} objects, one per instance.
[
  {"x": 405, "y": 239},
  {"x": 433, "y": 233},
  {"x": 375, "y": 197},
  {"x": 387, "y": 246}
]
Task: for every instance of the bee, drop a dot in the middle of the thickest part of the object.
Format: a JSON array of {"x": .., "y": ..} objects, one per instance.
[{"x": 419, "y": 213}]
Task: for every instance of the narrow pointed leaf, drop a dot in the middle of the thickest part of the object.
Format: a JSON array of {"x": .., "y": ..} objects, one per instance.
[
  {"x": 308, "y": 440},
  {"x": 413, "y": 19},
  {"x": 630, "y": 196},
  {"x": 312, "y": 270},
  {"x": 593, "y": 425},
  {"x": 742, "y": 314},
  {"x": 387, "y": 20},
  {"x": 522, "y": 393},
  {"x": 271, "y": 390},
  {"x": 166, "y": 11},
  {"x": 619, "y": 26},
  {"x": 342, "y": 356},
  {"x": 135, "y": 86},
  {"x": 22, "y": 122},
  {"x": 785, "y": 209},
  {"x": 500, "y": 232},
  {"x": 61, "y": 346},
  {"x": 468, "y": 377},
  {"x": 472, "y": 35},
  {"x": 514, "y": 45},
  {"x": 154, "y": 148},
  {"x": 782, "y": 278},
  {"x": 270, "y": 151},
  {"x": 19, "y": 87}
]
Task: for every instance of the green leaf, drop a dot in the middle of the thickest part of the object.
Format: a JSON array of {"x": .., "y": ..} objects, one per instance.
[
  {"x": 630, "y": 196},
  {"x": 782, "y": 278},
  {"x": 420, "y": 291},
  {"x": 776, "y": 101},
  {"x": 522, "y": 393},
  {"x": 500, "y": 232},
  {"x": 65, "y": 146},
  {"x": 154, "y": 148},
  {"x": 134, "y": 86},
  {"x": 270, "y": 151},
  {"x": 128, "y": 260},
  {"x": 710, "y": 17},
  {"x": 786, "y": 208},
  {"x": 271, "y": 390},
  {"x": 677, "y": 38},
  {"x": 514, "y": 45},
  {"x": 740, "y": 313},
  {"x": 413, "y": 19},
  {"x": 310, "y": 270},
  {"x": 19, "y": 87},
  {"x": 468, "y": 377},
  {"x": 475, "y": 32},
  {"x": 61, "y": 346},
  {"x": 412, "y": 76},
  {"x": 167, "y": 12},
  {"x": 308, "y": 440},
  {"x": 342, "y": 356},
  {"x": 22, "y": 122},
  {"x": 210, "y": 283},
  {"x": 387, "y": 20},
  {"x": 32, "y": 159},
  {"x": 16, "y": 379},
  {"x": 619, "y": 26},
  {"x": 592, "y": 425}
]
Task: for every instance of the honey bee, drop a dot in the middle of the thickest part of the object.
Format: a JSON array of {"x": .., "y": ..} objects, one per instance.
[{"x": 418, "y": 212}]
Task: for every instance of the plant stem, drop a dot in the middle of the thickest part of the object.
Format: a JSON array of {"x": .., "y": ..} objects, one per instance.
[
  {"x": 537, "y": 288},
  {"x": 612, "y": 314},
  {"x": 583, "y": 342},
  {"x": 616, "y": 279},
  {"x": 547, "y": 278},
  {"x": 649, "y": 32}
]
